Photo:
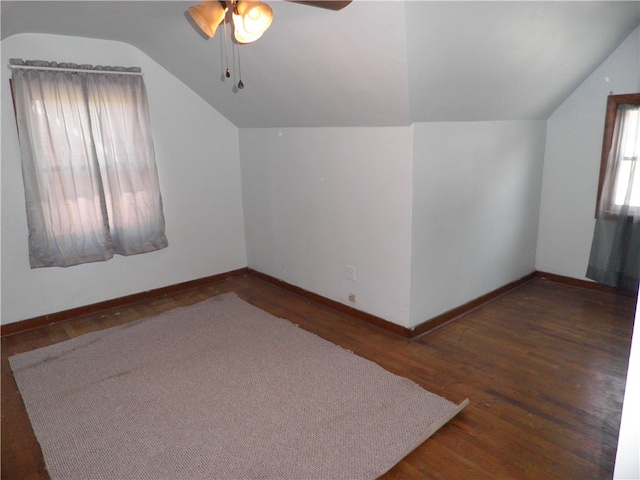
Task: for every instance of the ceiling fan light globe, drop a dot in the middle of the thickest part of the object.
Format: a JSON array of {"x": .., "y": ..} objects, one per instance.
[
  {"x": 207, "y": 16},
  {"x": 240, "y": 34},
  {"x": 256, "y": 16}
]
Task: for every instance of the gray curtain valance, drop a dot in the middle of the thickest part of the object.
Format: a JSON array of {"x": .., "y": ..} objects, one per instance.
[{"x": 18, "y": 62}]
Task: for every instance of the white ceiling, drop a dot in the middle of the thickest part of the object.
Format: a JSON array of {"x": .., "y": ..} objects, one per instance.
[{"x": 374, "y": 63}]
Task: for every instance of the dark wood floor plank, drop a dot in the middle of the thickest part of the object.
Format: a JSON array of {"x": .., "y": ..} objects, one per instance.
[{"x": 543, "y": 366}]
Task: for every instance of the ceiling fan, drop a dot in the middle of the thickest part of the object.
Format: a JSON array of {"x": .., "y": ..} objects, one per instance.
[{"x": 250, "y": 18}]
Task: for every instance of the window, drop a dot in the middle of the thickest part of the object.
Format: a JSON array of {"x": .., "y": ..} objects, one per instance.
[
  {"x": 619, "y": 182},
  {"x": 615, "y": 250},
  {"x": 88, "y": 165}
]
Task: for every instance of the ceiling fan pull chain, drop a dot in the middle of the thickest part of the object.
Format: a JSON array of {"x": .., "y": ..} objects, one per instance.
[
  {"x": 226, "y": 49},
  {"x": 240, "y": 84}
]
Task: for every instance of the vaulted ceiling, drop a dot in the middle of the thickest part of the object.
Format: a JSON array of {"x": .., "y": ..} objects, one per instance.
[{"x": 374, "y": 63}]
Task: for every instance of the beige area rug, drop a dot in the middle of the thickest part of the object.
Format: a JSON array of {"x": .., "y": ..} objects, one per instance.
[{"x": 219, "y": 390}]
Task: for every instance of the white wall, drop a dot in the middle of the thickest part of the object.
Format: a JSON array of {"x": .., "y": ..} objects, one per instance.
[
  {"x": 572, "y": 163},
  {"x": 476, "y": 193},
  {"x": 318, "y": 199},
  {"x": 627, "y": 464},
  {"x": 198, "y": 165}
]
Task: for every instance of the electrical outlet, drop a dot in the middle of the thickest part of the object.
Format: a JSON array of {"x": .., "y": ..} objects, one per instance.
[
  {"x": 350, "y": 272},
  {"x": 352, "y": 297}
]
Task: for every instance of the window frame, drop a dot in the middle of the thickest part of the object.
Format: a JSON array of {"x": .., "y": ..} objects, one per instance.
[{"x": 613, "y": 102}]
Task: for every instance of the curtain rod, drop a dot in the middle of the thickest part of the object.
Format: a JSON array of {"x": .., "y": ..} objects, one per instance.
[{"x": 60, "y": 69}]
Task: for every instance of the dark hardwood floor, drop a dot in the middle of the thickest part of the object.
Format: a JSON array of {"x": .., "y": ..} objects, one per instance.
[{"x": 544, "y": 368}]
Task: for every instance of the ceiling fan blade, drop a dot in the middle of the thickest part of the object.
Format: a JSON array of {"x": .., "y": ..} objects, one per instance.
[{"x": 328, "y": 4}]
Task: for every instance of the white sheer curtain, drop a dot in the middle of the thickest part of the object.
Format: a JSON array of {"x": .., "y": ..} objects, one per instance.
[
  {"x": 615, "y": 250},
  {"x": 88, "y": 165}
]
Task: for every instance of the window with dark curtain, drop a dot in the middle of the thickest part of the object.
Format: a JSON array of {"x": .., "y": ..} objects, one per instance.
[{"x": 615, "y": 250}]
